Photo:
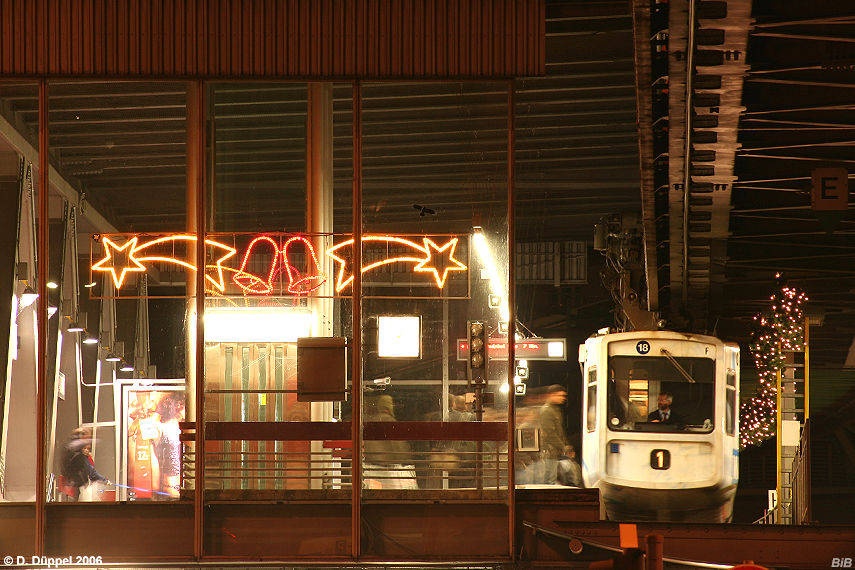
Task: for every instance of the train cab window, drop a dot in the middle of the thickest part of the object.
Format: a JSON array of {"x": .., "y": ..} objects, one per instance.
[
  {"x": 591, "y": 415},
  {"x": 591, "y": 421},
  {"x": 730, "y": 405},
  {"x": 661, "y": 394}
]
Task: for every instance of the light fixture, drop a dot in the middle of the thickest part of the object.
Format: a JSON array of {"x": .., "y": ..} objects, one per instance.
[
  {"x": 51, "y": 311},
  {"x": 497, "y": 285},
  {"x": 90, "y": 285},
  {"x": 28, "y": 297},
  {"x": 51, "y": 285},
  {"x": 127, "y": 368},
  {"x": 90, "y": 340},
  {"x": 555, "y": 349},
  {"x": 111, "y": 357},
  {"x": 257, "y": 324},
  {"x": 399, "y": 336}
]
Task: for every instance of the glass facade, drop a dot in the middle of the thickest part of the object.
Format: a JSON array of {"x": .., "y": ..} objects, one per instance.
[{"x": 289, "y": 272}]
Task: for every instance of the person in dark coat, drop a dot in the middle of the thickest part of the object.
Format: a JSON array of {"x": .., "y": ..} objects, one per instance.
[
  {"x": 553, "y": 440},
  {"x": 78, "y": 467}
]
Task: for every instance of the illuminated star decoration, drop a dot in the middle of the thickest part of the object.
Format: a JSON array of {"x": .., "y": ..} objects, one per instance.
[
  {"x": 448, "y": 261},
  {"x": 780, "y": 329},
  {"x": 119, "y": 267},
  {"x": 135, "y": 259},
  {"x": 421, "y": 257}
]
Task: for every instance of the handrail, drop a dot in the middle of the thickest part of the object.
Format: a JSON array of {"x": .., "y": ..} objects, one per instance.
[
  {"x": 603, "y": 546},
  {"x": 767, "y": 518},
  {"x": 317, "y": 431}
]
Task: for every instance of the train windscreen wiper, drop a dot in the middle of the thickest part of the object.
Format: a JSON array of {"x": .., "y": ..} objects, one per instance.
[{"x": 676, "y": 364}]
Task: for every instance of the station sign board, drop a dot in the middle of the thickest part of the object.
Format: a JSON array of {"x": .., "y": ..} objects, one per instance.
[{"x": 528, "y": 349}]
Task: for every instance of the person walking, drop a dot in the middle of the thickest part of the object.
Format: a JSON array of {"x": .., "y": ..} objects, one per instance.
[
  {"x": 553, "y": 440},
  {"x": 78, "y": 466}
]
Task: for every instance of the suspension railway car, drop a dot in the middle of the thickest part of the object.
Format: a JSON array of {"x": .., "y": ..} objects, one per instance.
[{"x": 683, "y": 469}]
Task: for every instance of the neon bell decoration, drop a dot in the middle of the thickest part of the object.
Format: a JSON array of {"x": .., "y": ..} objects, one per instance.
[{"x": 131, "y": 256}]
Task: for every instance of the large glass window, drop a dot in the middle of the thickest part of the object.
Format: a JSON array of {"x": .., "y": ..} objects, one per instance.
[
  {"x": 277, "y": 416},
  {"x": 434, "y": 264},
  {"x": 117, "y": 348},
  {"x": 661, "y": 394}
]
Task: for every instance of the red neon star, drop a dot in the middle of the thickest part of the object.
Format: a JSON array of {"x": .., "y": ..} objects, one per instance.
[
  {"x": 126, "y": 258},
  {"x": 447, "y": 261}
]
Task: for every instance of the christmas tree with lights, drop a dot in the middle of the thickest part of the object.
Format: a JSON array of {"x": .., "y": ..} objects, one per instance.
[{"x": 778, "y": 330}]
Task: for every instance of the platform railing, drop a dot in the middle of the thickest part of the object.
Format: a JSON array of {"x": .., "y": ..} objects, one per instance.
[
  {"x": 247, "y": 459},
  {"x": 767, "y": 518},
  {"x": 260, "y": 471}
]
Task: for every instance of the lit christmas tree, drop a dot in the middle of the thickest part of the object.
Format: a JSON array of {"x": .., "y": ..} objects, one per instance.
[{"x": 778, "y": 330}]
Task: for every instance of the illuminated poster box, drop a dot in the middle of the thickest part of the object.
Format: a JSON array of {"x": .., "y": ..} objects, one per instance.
[{"x": 399, "y": 337}]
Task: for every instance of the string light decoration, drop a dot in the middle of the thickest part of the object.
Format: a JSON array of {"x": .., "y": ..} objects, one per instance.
[
  {"x": 428, "y": 257},
  {"x": 131, "y": 255},
  {"x": 778, "y": 330},
  {"x": 423, "y": 256}
]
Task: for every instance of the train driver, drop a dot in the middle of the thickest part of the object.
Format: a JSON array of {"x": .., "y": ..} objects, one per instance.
[{"x": 664, "y": 414}]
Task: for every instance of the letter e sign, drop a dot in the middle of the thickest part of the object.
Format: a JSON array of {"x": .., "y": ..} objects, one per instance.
[{"x": 830, "y": 189}]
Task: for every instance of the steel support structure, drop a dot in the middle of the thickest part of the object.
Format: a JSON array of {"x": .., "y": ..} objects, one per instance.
[
  {"x": 197, "y": 92},
  {"x": 511, "y": 323},
  {"x": 356, "y": 343},
  {"x": 42, "y": 319}
]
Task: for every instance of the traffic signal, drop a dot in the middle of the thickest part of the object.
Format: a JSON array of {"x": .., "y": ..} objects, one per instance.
[{"x": 477, "y": 349}]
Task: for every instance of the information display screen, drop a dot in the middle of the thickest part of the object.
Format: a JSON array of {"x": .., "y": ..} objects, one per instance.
[{"x": 526, "y": 349}]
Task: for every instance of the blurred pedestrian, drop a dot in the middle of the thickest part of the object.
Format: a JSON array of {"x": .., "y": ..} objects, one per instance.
[
  {"x": 553, "y": 441},
  {"x": 78, "y": 465}
]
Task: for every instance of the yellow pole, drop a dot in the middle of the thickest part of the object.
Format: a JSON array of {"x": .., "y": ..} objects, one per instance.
[
  {"x": 807, "y": 368},
  {"x": 778, "y": 447}
]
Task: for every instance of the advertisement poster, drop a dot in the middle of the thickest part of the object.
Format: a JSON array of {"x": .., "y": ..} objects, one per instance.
[{"x": 152, "y": 447}]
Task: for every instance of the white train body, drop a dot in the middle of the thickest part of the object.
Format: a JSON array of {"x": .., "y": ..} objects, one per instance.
[{"x": 686, "y": 470}]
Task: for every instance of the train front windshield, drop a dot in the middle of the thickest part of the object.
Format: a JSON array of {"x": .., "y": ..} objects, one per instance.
[{"x": 660, "y": 394}]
